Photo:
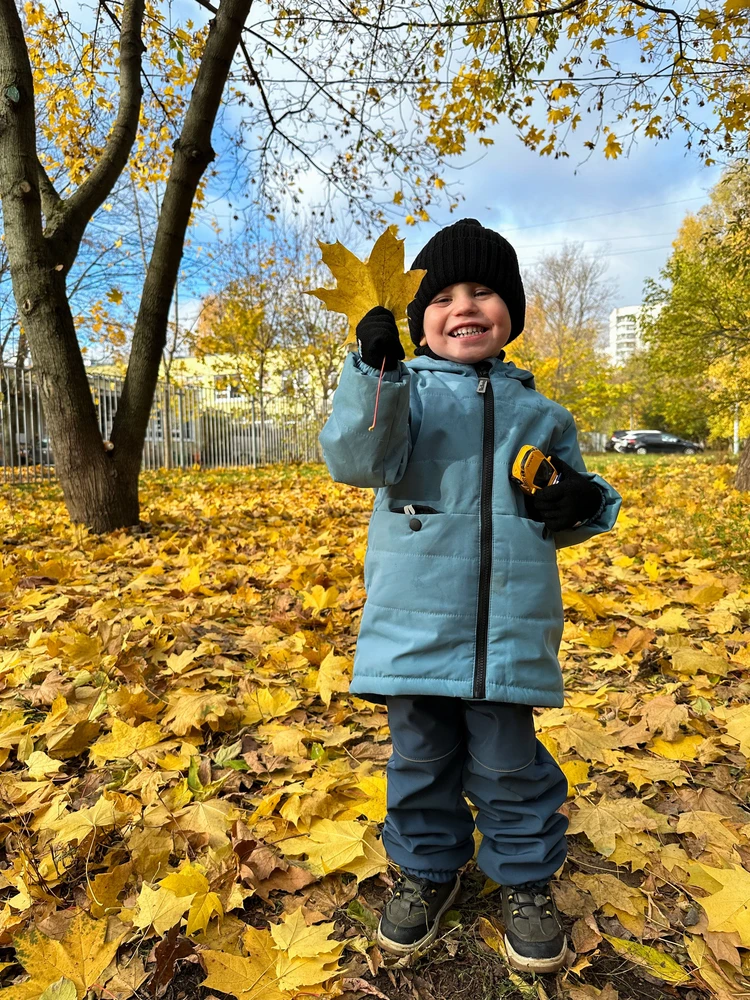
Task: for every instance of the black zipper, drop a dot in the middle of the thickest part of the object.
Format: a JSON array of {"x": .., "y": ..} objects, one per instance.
[{"x": 484, "y": 387}]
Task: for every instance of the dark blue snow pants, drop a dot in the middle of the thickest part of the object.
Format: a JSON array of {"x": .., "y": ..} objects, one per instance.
[{"x": 444, "y": 748}]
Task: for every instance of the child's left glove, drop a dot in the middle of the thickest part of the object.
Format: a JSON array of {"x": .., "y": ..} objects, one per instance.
[{"x": 572, "y": 500}]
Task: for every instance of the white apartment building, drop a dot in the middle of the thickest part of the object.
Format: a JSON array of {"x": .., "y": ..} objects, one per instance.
[{"x": 625, "y": 336}]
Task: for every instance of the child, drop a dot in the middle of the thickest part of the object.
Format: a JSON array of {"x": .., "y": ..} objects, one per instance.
[{"x": 463, "y": 619}]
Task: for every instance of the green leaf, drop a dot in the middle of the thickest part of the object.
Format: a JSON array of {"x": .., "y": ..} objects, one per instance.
[
  {"x": 363, "y": 914},
  {"x": 656, "y": 962}
]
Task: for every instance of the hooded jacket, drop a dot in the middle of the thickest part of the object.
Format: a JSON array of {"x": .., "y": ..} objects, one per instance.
[{"x": 463, "y": 591}]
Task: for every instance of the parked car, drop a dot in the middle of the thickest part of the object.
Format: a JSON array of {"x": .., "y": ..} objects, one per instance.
[
  {"x": 611, "y": 445},
  {"x": 616, "y": 435},
  {"x": 40, "y": 452},
  {"x": 655, "y": 442}
]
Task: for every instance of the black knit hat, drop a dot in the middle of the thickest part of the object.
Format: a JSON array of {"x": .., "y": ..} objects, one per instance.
[{"x": 467, "y": 251}]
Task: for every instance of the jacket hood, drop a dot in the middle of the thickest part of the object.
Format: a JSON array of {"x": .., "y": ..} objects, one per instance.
[{"x": 497, "y": 365}]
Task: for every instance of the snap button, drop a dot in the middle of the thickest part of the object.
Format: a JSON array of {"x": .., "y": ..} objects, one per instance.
[{"x": 415, "y": 524}]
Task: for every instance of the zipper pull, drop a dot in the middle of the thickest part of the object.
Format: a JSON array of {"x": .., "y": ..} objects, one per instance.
[
  {"x": 409, "y": 509},
  {"x": 483, "y": 370}
]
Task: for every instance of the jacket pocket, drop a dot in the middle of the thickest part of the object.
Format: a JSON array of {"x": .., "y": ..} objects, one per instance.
[
  {"x": 424, "y": 563},
  {"x": 415, "y": 508}
]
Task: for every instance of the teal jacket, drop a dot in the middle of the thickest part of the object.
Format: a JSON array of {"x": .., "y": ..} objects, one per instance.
[{"x": 463, "y": 592}]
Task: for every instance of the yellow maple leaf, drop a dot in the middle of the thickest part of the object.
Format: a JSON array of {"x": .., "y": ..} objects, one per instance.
[
  {"x": 687, "y": 660},
  {"x": 602, "y": 821},
  {"x": 738, "y": 727},
  {"x": 380, "y": 281},
  {"x": 301, "y": 971},
  {"x": 318, "y": 598},
  {"x": 294, "y": 937},
  {"x": 268, "y": 703},
  {"x": 41, "y": 766},
  {"x": 373, "y": 805},
  {"x": 63, "y": 989},
  {"x": 648, "y": 770},
  {"x": 106, "y": 887},
  {"x": 201, "y": 910},
  {"x": 577, "y": 773},
  {"x": 81, "y": 955},
  {"x": 710, "y": 826},
  {"x": 673, "y": 620},
  {"x": 373, "y": 861},
  {"x": 664, "y": 714},
  {"x": 329, "y": 845},
  {"x": 634, "y": 849},
  {"x": 125, "y": 740},
  {"x": 191, "y": 581},
  {"x": 685, "y": 747},
  {"x": 253, "y": 978},
  {"x": 212, "y": 817},
  {"x": 189, "y": 880},
  {"x": 160, "y": 909},
  {"x": 729, "y": 908},
  {"x": 193, "y": 709},
  {"x": 78, "y": 825},
  {"x": 333, "y": 677}
]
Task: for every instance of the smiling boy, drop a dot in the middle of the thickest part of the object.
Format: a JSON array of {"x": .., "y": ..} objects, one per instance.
[{"x": 463, "y": 618}]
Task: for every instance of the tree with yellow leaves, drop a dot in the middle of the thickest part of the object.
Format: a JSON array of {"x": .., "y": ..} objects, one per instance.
[
  {"x": 369, "y": 102},
  {"x": 568, "y": 294},
  {"x": 701, "y": 335}
]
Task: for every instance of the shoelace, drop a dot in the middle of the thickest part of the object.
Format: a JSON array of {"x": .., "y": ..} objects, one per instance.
[
  {"x": 534, "y": 897},
  {"x": 413, "y": 888}
]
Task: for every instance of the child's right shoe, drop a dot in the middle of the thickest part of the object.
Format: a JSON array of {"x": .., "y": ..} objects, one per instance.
[
  {"x": 534, "y": 937},
  {"x": 411, "y": 916}
]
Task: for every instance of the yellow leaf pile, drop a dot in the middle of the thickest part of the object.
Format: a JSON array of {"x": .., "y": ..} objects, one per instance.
[{"x": 185, "y": 783}]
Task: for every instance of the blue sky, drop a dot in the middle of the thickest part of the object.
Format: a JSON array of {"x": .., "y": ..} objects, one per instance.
[{"x": 627, "y": 210}]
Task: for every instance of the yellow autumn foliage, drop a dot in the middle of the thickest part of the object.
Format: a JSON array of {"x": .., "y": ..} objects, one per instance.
[{"x": 175, "y": 757}]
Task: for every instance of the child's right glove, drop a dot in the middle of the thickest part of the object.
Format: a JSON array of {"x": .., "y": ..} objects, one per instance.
[
  {"x": 571, "y": 501},
  {"x": 377, "y": 338}
]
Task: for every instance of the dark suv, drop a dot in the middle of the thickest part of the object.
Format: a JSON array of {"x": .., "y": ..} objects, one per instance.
[{"x": 655, "y": 442}]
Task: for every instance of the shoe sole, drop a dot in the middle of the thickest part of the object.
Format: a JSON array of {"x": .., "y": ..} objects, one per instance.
[
  {"x": 525, "y": 964},
  {"x": 396, "y": 948}
]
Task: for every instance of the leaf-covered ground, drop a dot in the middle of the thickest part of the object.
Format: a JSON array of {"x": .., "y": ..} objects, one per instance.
[{"x": 188, "y": 794}]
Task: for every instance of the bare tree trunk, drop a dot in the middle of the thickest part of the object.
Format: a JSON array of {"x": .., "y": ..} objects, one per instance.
[
  {"x": 742, "y": 479},
  {"x": 43, "y": 234}
]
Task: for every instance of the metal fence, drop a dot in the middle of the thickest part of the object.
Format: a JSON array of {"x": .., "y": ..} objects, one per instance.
[{"x": 188, "y": 426}]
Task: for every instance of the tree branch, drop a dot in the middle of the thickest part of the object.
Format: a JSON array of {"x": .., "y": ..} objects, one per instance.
[
  {"x": 48, "y": 192},
  {"x": 192, "y": 154},
  {"x": 74, "y": 214}
]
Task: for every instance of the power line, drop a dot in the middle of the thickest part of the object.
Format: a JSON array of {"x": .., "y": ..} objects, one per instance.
[
  {"x": 602, "y": 215},
  {"x": 605, "y": 239},
  {"x": 614, "y": 253}
]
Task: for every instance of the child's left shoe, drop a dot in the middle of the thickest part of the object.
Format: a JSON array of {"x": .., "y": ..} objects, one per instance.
[{"x": 534, "y": 938}]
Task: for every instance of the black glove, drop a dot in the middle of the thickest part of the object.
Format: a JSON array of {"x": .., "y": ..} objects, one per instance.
[
  {"x": 377, "y": 337},
  {"x": 573, "y": 499}
]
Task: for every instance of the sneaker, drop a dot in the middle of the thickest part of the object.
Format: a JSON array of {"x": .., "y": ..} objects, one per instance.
[
  {"x": 412, "y": 915},
  {"x": 534, "y": 938}
]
